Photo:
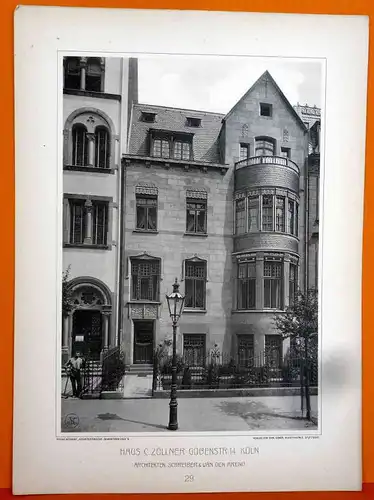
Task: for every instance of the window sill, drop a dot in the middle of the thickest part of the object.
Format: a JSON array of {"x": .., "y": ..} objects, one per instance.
[
  {"x": 84, "y": 246},
  {"x": 143, "y": 301},
  {"x": 79, "y": 168},
  {"x": 145, "y": 231},
  {"x": 91, "y": 93},
  {"x": 267, "y": 232},
  {"x": 193, "y": 311},
  {"x": 239, "y": 311},
  {"x": 201, "y": 235}
]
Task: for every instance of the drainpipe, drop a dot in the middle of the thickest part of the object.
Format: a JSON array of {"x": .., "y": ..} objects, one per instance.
[
  {"x": 122, "y": 261},
  {"x": 306, "y": 273}
]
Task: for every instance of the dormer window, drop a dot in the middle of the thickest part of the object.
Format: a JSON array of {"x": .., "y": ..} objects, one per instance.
[
  {"x": 266, "y": 109},
  {"x": 148, "y": 117},
  {"x": 171, "y": 145},
  {"x": 193, "y": 122}
]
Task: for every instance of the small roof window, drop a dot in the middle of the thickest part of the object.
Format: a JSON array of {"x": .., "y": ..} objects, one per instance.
[
  {"x": 193, "y": 122},
  {"x": 148, "y": 117}
]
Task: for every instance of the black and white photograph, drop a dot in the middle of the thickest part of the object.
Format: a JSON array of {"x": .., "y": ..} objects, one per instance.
[{"x": 191, "y": 210}]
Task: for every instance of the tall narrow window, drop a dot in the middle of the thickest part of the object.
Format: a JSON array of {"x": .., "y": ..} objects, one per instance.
[
  {"x": 145, "y": 279},
  {"x": 146, "y": 212},
  {"x": 244, "y": 152},
  {"x": 77, "y": 221},
  {"x": 99, "y": 223},
  {"x": 101, "y": 147},
  {"x": 93, "y": 74},
  {"x": 273, "y": 350},
  {"x": 253, "y": 214},
  {"x": 240, "y": 216},
  {"x": 195, "y": 277},
  {"x": 194, "y": 349},
  {"x": 161, "y": 148},
  {"x": 273, "y": 296},
  {"x": 247, "y": 285},
  {"x": 245, "y": 350},
  {"x": 279, "y": 214},
  {"x": 264, "y": 147},
  {"x": 196, "y": 216},
  {"x": 267, "y": 212},
  {"x": 80, "y": 145},
  {"x": 293, "y": 283},
  {"x": 72, "y": 73},
  {"x": 291, "y": 217}
]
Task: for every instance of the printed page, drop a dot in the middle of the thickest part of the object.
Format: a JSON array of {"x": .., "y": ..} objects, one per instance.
[{"x": 182, "y": 207}]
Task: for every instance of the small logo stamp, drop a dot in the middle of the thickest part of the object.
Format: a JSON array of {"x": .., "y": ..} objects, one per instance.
[{"x": 71, "y": 421}]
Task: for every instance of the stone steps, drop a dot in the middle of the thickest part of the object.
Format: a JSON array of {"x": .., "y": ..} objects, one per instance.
[{"x": 140, "y": 369}]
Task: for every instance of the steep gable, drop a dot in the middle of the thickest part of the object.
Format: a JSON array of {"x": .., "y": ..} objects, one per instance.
[{"x": 264, "y": 82}]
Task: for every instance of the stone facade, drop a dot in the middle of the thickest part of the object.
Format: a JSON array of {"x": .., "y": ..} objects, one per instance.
[{"x": 217, "y": 168}]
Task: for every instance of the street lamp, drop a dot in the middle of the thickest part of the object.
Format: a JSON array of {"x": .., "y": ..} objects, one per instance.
[{"x": 175, "y": 303}]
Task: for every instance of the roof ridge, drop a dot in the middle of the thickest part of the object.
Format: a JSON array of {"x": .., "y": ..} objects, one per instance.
[{"x": 180, "y": 109}]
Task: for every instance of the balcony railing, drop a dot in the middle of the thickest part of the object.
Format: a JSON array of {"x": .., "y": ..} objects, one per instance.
[{"x": 269, "y": 160}]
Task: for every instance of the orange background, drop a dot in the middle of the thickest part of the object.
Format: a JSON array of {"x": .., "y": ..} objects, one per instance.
[{"x": 357, "y": 7}]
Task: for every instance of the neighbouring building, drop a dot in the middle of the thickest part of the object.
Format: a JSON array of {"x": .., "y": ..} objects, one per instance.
[
  {"x": 227, "y": 204},
  {"x": 97, "y": 99}
]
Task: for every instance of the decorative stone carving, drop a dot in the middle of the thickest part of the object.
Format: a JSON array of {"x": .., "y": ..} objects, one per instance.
[
  {"x": 91, "y": 120},
  {"x": 246, "y": 257},
  {"x": 245, "y": 130},
  {"x": 144, "y": 188},
  {"x": 143, "y": 311},
  {"x": 286, "y": 135},
  {"x": 199, "y": 194}
]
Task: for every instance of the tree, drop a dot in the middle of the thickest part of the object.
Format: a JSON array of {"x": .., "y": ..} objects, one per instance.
[
  {"x": 67, "y": 293},
  {"x": 299, "y": 322}
]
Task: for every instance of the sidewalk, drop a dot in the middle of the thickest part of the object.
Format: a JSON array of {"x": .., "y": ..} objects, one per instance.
[{"x": 194, "y": 414}]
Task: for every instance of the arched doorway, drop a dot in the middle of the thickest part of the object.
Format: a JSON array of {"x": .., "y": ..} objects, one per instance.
[{"x": 91, "y": 318}]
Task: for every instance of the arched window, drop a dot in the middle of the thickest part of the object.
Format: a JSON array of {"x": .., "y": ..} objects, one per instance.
[
  {"x": 101, "y": 147},
  {"x": 93, "y": 74},
  {"x": 80, "y": 145},
  {"x": 264, "y": 146},
  {"x": 72, "y": 73}
]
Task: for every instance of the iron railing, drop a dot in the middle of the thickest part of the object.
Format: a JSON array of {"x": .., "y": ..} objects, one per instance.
[
  {"x": 222, "y": 371},
  {"x": 273, "y": 160}
]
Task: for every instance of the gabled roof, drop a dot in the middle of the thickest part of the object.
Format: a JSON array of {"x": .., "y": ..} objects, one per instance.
[{"x": 266, "y": 74}]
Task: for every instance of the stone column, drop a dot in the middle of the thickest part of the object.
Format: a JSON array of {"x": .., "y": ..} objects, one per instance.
[
  {"x": 65, "y": 338},
  {"x": 88, "y": 215},
  {"x": 83, "y": 72},
  {"x": 106, "y": 316},
  {"x": 91, "y": 149}
]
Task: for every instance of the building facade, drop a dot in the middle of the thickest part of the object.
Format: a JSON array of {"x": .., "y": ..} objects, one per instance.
[
  {"x": 97, "y": 98},
  {"x": 228, "y": 205}
]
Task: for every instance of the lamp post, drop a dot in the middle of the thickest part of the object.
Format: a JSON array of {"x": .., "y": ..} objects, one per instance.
[{"x": 175, "y": 303}]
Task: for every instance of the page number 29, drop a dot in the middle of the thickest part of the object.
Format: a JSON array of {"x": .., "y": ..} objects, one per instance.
[{"x": 189, "y": 478}]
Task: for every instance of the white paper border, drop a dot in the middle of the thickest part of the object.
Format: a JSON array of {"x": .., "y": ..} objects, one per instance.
[{"x": 41, "y": 463}]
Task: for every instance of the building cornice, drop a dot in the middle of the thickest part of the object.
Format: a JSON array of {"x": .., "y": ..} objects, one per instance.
[{"x": 150, "y": 161}]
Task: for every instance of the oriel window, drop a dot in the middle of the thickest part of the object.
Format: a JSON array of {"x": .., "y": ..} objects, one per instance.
[
  {"x": 240, "y": 216},
  {"x": 279, "y": 214},
  {"x": 293, "y": 283},
  {"x": 253, "y": 214}
]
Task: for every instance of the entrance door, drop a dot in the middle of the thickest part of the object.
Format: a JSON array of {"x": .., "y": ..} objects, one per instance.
[
  {"x": 143, "y": 342},
  {"x": 87, "y": 333}
]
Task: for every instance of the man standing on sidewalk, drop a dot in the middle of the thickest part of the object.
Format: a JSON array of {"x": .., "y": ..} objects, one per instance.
[{"x": 74, "y": 366}]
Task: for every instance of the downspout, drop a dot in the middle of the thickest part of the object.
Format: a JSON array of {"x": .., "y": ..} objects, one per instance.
[
  {"x": 122, "y": 213},
  {"x": 306, "y": 271}
]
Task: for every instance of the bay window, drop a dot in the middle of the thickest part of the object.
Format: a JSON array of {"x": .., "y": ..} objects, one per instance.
[
  {"x": 267, "y": 212},
  {"x": 246, "y": 285}
]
